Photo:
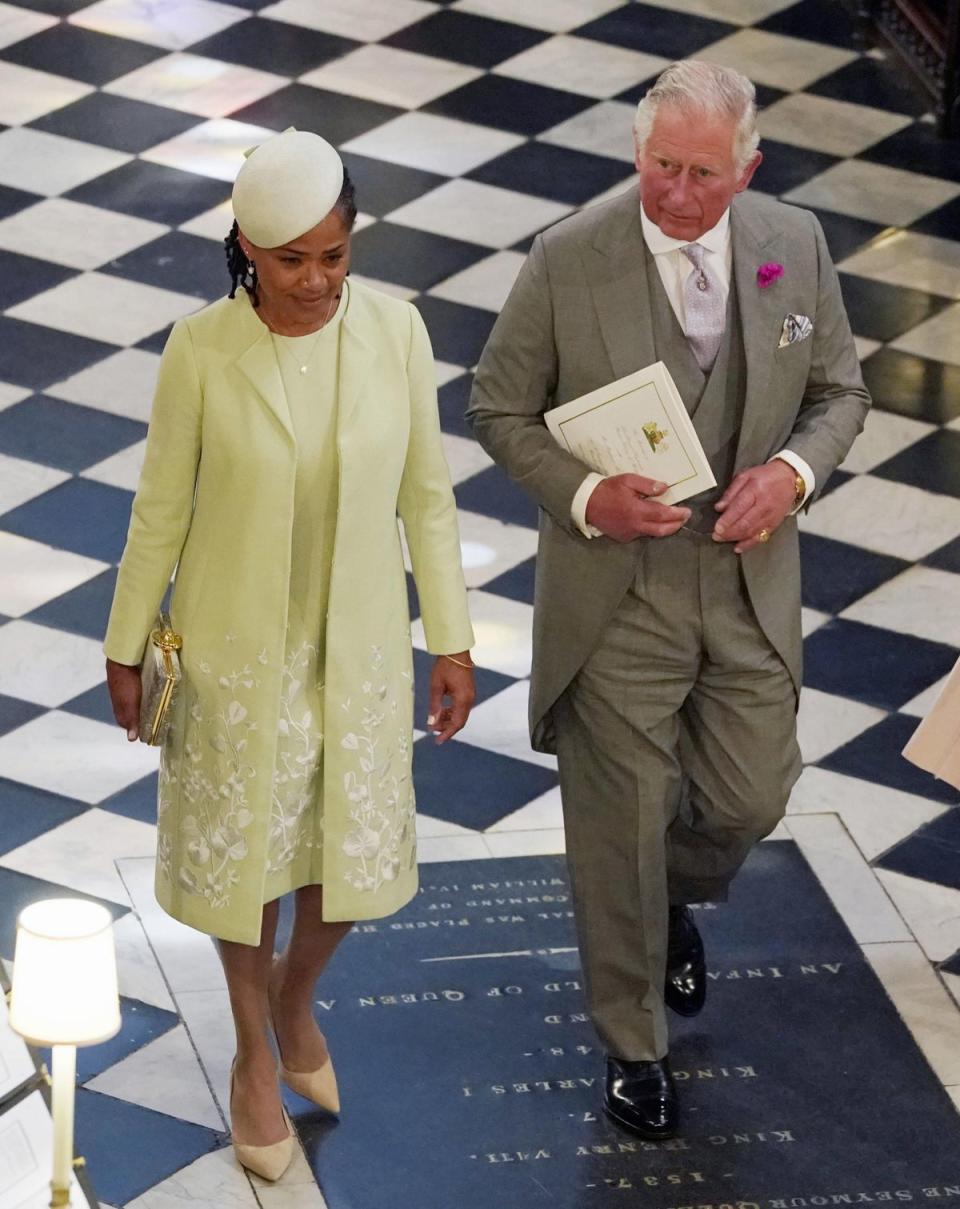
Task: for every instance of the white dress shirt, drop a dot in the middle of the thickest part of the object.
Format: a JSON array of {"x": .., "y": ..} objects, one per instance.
[{"x": 674, "y": 269}]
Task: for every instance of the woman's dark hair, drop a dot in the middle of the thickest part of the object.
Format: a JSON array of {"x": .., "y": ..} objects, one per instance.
[{"x": 243, "y": 272}]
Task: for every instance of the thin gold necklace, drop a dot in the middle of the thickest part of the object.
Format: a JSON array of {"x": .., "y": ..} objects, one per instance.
[{"x": 304, "y": 366}]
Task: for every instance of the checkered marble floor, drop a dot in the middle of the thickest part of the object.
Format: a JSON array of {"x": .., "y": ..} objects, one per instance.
[{"x": 468, "y": 127}]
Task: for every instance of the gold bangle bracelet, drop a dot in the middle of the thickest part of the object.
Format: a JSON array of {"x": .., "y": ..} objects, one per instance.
[{"x": 459, "y": 663}]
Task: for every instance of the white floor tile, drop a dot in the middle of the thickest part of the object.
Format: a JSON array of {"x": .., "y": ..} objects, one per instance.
[
  {"x": 391, "y": 76},
  {"x": 138, "y": 972},
  {"x": 740, "y": 12},
  {"x": 49, "y": 164},
  {"x": 866, "y": 347},
  {"x": 629, "y": 182},
  {"x": 207, "y": 1018},
  {"x": 74, "y": 234},
  {"x": 937, "y": 338},
  {"x": 106, "y": 308},
  {"x": 922, "y": 601},
  {"x": 122, "y": 384},
  {"x": 430, "y": 828},
  {"x": 453, "y": 209},
  {"x": 485, "y": 284},
  {"x": 47, "y": 666},
  {"x": 444, "y": 370},
  {"x": 823, "y": 124},
  {"x": 215, "y": 1181},
  {"x": 542, "y": 842},
  {"x": 542, "y": 814},
  {"x": 503, "y": 632},
  {"x": 774, "y": 59},
  {"x": 173, "y": 24},
  {"x": 555, "y": 16},
  {"x": 436, "y": 144},
  {"x": 194, "y": 84},
  {"x": 26, "y": 94},
  {"x": 922, "y": 704},
  {"x": 811, "y": 620},
  {"x": 884, "y": 434},
  {"x": 876, "y": 816},
  {"x": 952, "y": 983},
  {"x": 593, "y": 69},
  {"x": 452, "y": 848},
  {"x": 489, "y": 547},
  {"x": 932, "y": 912},
  {"x": 465, "y": 457},
  {"x": 80, "y": 853},
  {"x": 500, "y": 724},
  {"x": 163, "y": 1075},
  {"x": 363, "y": 20},
  {"x": 908, "y": 258},
  {"x": 890, "y": 518},
  {"x": 43, "y": 572},
  {"x": 405, "y": 293},
  {"x": 296, "y": 1189},
  {"x": 213, "y": 149},
  {"x": 847, "y": 879},
  {"x": 825, "y": 722},
  {"x": 188, "y": 958},
  {"x": 121, "y": 470},
  {"x": 74, "y": 756},
  {"x": 10, "y": 394},
  {"x": 18, "y": 23},
  {"x": 211, "y": 224},
  {"x": 874, "y": 191},
  {"x": 21, "y": 481},
  {"x": 604, "y": 129},
  {"x": 924, "y": 1004}
]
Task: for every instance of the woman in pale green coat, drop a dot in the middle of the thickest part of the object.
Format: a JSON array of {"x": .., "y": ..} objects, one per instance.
[{"x": 292, "y": 423}]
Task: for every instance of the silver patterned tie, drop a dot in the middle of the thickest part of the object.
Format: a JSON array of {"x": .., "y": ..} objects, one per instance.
[{"x": 703, "y": 309}]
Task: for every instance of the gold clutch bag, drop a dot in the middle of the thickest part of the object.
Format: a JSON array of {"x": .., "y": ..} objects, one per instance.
[{"x": 159, "y": 677}]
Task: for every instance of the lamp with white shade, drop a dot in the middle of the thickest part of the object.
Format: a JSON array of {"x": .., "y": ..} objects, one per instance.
[{"x": 64, "y": 995}]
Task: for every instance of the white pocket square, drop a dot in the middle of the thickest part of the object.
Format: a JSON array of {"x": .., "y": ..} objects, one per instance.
[{"x": 795, "y": 329}]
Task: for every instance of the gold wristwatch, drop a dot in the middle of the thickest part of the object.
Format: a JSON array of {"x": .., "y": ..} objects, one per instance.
[{"x": 799, "y": 489}]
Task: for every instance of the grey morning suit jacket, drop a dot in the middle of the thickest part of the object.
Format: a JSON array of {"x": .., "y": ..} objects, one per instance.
[{"x": 579, "y": 317}]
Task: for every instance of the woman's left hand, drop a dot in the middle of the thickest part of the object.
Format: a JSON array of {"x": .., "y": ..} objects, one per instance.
[{"x": 452, "y": 695}]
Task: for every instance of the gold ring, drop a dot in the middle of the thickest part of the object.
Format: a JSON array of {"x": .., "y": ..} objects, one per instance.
[{"x": 763, "y": 535}]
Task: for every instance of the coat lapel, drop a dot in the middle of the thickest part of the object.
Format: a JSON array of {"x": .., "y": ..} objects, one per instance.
[
  {"x": 357, "y": 355},
  {"x": 258, "y": 363},
  {"x": 617, "y": 271},
  {"x": 755, "y": 242}
]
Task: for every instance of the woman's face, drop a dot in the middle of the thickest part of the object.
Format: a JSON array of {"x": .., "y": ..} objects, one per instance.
[{"x": 298, "y": 281}]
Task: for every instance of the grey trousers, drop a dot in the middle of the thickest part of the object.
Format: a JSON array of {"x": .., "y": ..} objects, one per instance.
[{"x": 677, "y": 750}]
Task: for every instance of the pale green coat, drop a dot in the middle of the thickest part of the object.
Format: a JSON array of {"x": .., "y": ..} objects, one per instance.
[{"x": 216, "y": 492}]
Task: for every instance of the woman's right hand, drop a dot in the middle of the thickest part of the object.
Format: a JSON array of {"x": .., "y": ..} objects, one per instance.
[{"x": 123, "y": 684}]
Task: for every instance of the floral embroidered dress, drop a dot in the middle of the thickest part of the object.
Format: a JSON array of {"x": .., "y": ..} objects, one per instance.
[{"x": 309, "y": 370}]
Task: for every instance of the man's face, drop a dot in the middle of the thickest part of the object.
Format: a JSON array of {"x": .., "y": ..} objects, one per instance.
[{"x": 688, "y": 174}]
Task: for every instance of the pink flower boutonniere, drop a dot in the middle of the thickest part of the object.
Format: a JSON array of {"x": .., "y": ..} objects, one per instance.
[{"x": 768, "y": 273}]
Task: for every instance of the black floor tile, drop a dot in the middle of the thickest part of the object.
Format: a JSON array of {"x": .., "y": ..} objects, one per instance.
[
  {"x": 508, "y": 104},
  {"x": 458, "y": 333},
  {"x": 844, "y": 234},
  {"x": 64, "y": 435},
  {"x": 79, "y": 515},
  {"x": 275, "y": 46},
  {"x": 177, "y": 261},
  {"x": 822, "y": 20},
  {"x": 14, "y": 200},
  {"x": 947, "y": 558},
  {"x": 837, "y": 479},
  {"x": 515, "y": 584},
  {"x": 932, "y": 463},
  {"x": 464, "y": 38},
  {"x": 785, "y": 167},
  {"x": 337, "y": 117},
  {"x": 14, "y": 713},
  {"x": 156, "y": 342},
  {"x": 655, "y": 31},
  {"x": 932, "y": 853},
  {"x": 488, "y": 683},
  {"x": 554, "y": 172},
  {"x": 875, "y": 756},
  {"x": 382, "y": 187},
  {"x": 35, "y": 356},
  {"x": 137, "y": 801},
  {"x": 116, "y": 122},
  {"x": 836, "y": 574},
  {"x": 913, "y": 386},
  {"x": 873, "y": 665},
  {"x": 918, "y": 148},
  {"x": 81, "y": 54},
  {"x": 23, "y": 276},
  {"x": 55, "y": 8},
  {"x": 417, "y": 259},
  {"x": 453, "y": 399},
  {"x": 491, "y": 493},
  {"x": 882, "y": 311},
  {"x": 94, "y": 705},
  {"x": 151, "y": 191},
  {"x": 26, "y": 812},
  {"x": 83, "y": 610},
  {"x": 944, "y": 221},
  {"x": 868, "y": 81}
]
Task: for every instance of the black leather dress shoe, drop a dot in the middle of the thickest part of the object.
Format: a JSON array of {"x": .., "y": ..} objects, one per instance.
[
  {"x": 685, "y": 989},
  {"x": 642, "y": 1097}
]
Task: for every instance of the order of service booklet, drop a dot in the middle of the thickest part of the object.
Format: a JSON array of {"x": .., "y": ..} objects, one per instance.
[{"x": 636, "y": 425}]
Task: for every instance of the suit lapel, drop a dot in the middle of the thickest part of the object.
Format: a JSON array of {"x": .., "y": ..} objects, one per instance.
[
  {"x": 357, "y": 355},
  {"x": 755, "y": 243},
  {"x": 617, "y": 272},
  {"x": 258, "y": 364}
]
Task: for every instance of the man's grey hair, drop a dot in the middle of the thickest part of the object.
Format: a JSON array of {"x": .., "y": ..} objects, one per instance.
[{"x": 704, "y": 88}]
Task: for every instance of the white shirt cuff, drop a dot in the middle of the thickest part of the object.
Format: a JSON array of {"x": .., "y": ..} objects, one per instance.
[
  {"x": 578, "y": 509},
  {"x": 802, "y": 468}
]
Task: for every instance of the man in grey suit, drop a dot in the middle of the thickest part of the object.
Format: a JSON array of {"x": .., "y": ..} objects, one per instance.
[{"x": 667, "y": 641}]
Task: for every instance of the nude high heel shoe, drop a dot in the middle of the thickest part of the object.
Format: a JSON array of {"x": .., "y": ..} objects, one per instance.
[
  {"x": 318, "y": 1085},
  {"x": 269, "y": 1162}
]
